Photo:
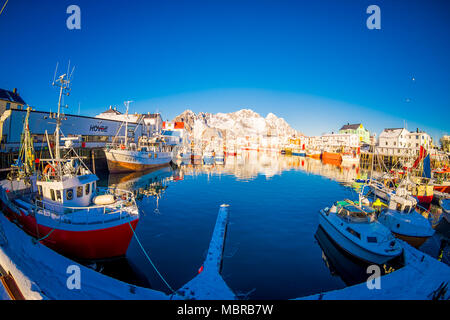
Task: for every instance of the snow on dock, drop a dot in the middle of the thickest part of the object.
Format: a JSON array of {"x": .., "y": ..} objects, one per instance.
[
  {"x": 420, "y": 279},
  {"x": 41, "y": 273},
  {"x": 209, "y": 284}
]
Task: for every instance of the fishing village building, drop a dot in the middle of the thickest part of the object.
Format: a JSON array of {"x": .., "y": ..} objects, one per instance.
[
  {"x": 10, "y": 100},
  {"x": 358, "y": 129},
  {"x": 401, "y": 142}
]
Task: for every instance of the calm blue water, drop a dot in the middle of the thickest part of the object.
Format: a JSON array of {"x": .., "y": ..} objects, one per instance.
[{"x": 271, "y": 251}]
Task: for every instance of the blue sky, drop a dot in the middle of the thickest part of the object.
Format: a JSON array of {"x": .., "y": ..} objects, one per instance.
[{"x": 314, "y": 63}]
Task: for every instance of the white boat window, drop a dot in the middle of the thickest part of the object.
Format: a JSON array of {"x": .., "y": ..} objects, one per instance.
[
  {"x": 69, "y": 194},
  {"x": 58, "y": 195},
  {"x": 79, "y": 191},
  {"x": 52, "y": 194},
  {"x": 372, "y": 239},
  {"x": 407, "y": 208},
  {"x": 40, "y": 190},
  {"x": 88, "y": 189}
]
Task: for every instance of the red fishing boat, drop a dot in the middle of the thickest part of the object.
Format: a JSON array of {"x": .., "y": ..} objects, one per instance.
[{"x": 61, "y": 205}]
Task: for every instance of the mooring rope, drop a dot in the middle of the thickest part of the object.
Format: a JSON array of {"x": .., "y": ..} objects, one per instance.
[{"x": 150, "y": 260}]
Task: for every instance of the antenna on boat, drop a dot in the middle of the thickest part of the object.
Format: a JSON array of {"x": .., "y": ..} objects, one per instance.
[
  {"x": 63, "y": 82},
  {"x": 127, "y": 104}
]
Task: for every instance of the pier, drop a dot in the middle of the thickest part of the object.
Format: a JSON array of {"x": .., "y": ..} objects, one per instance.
[
  {"x": 209, "y": 284},
  {"x": 422, "y": 278},
  {"x": 40, "y": 273}
]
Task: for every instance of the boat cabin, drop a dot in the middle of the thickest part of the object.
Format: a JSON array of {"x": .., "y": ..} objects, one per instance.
[{"x": 70, "y": 191}]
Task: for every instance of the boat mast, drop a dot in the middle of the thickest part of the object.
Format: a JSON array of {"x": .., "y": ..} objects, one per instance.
[
  {"x": 127, "y": 104},
  {"x": 63, "y": 83}
]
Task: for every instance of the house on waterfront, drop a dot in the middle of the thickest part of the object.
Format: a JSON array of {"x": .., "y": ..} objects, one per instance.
[
  {"x": 10, "y": 100},
  {"x": 358, "y": 129},
  {"x": 445, "y": 143},
  {"x": 340, "y": 140},
  {"x": 401, "y": 142}
]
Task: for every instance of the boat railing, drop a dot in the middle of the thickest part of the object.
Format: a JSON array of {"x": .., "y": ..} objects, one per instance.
[{"x": 92, "y": 214}]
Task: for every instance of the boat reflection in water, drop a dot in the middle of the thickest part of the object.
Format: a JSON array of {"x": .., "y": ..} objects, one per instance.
[
  {"x": 145, "y": 183},
  {"x": 148, "y": 183},
  {"x": 349, "y": 268}
]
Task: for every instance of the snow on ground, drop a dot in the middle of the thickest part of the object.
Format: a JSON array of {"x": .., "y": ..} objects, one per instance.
[
  {"x": 417, "y": 280},
  {"x": 27, "y": 260},
  {"x": 48, "y": 269}
]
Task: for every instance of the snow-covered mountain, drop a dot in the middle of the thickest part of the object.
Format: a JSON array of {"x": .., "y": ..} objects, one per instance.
[{"x": 241, "y": 123}]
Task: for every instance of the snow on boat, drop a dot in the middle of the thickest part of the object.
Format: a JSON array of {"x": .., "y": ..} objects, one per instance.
[{"x": 357, "y": 232}]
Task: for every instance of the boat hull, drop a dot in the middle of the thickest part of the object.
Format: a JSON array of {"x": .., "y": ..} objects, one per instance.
[
  {"x": 85, "y": 242},
  {"x": 119, "y": 162},
  {"x": 331, "y": 156},
  {"x": 442, "y": 188}
]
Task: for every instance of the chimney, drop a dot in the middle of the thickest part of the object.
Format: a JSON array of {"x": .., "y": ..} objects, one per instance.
[
  {"x": 417, "y": 130},
  {"x": 15, "y": 90}
]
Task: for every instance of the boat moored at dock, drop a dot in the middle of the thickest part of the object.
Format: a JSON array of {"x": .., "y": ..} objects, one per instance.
[{"x": 356, "y": 231}]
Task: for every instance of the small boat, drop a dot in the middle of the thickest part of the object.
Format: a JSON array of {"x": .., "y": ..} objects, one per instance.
[
  {"x": 401, "y": 217},
  {"x": 219, "y": 158},
  {"x": 208, "y": 157},
  {"x": 333, "y": 158},
  {"x": 315, "y": 154},
  {"x": 355, "y": 229},
  {"x": 297, "y": 151},
  {"x": 350, "y": 158},
  {"x": 441, "y": 180}
]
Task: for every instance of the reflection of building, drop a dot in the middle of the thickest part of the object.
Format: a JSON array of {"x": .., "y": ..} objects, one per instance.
[{"x": 358, "y": 129}]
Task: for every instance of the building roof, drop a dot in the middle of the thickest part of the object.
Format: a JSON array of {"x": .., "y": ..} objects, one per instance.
[
  {"x": 11, "y": 96},
  {"x": 111, "y": 111},
  {"x": 350, "y": 126}
]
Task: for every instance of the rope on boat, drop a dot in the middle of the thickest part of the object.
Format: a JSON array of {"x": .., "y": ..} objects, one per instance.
[{"x": 150, "y": 260}]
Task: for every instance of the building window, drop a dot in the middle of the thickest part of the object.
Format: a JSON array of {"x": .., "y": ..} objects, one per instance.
[
  {"x": 8, "y": 106},
  {"x": 79, "y": 191}
]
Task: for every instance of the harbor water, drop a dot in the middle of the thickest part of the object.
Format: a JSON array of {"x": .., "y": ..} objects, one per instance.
[{"x": 274, "y": 247}]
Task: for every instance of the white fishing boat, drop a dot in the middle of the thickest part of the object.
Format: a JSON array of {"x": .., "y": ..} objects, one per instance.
[
  {"x": 126, "y": 156},
  {"x": 69, "y": 213},
  {"x": 401, "y": 217},
  {"x": 356, "y": 230}
]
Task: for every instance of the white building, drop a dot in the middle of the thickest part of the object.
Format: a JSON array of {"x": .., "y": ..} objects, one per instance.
[
  {"x": 401, "y": 142},
  {"x": 340, "y": 140},
  {"x": 152, "y": 121}
]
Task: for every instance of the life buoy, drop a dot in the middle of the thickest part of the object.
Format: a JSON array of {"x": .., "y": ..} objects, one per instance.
[
  {"x": 51, "y": 168},
  {"x": 122, "y": 147}
]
